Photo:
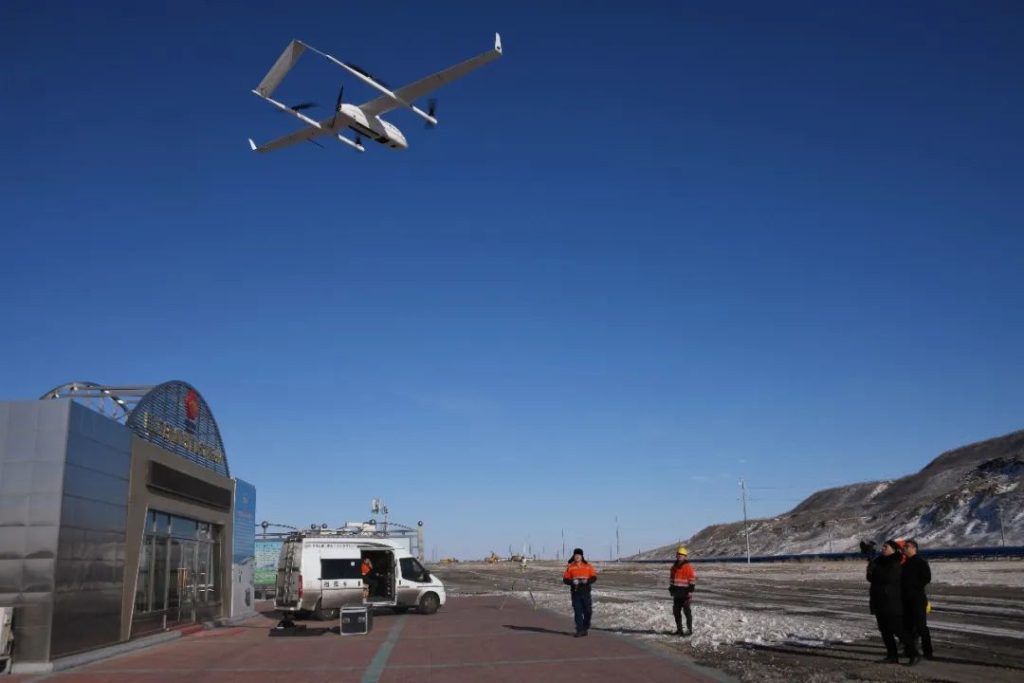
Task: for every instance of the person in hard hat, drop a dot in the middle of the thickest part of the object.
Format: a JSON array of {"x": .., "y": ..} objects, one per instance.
[
  {"x": 578, "y": 576},
  {"x": 915, "y": 576},
  {"x": 683, "y": 582}
]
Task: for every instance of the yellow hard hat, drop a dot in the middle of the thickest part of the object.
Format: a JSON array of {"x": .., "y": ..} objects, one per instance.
[{"x": 682, "y": 550}]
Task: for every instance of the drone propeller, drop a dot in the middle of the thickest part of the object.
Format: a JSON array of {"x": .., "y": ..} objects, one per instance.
[
  {"x": 337, "y": 105},
  {"x": 431, "y": 110}
]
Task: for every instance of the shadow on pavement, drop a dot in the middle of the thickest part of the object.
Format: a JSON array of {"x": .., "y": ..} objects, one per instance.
[{"x": 538, "y": 629}]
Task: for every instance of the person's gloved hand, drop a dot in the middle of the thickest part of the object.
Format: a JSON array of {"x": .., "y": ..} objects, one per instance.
[{"x": 577, "y": 582}]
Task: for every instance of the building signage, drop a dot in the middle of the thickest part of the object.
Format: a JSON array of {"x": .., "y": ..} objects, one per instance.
[
  {"x": 157, "y": 427},
  {"x": 173, "y": 415},
  {"x": 267, "y": 552}
]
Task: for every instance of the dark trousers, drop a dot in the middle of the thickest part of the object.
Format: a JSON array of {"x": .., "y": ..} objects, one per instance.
[
  {"x": 582, "y": 608},
  {"x": 680, "y": 606},
  {"x": 891, "y": 627},
  {"x": 915, "y": 619}
]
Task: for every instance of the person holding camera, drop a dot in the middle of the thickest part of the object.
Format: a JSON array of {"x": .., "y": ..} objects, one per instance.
[
  {"x": 578, "y": 576},
  {"x": 886, "y": 602},
  {"x": 683, "y": 582},
  {"x": 915, "y": 576}
]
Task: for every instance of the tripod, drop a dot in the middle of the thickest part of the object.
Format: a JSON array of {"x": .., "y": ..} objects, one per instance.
[{"x": 525, "y": 579}]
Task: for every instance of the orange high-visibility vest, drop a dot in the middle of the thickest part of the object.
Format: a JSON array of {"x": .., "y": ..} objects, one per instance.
[
  {"x": 579, "y": 570},
  {"x": 683, "y": 575}
]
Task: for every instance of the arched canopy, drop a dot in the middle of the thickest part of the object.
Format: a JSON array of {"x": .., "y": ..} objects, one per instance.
[{"x": 172, "y": 415}]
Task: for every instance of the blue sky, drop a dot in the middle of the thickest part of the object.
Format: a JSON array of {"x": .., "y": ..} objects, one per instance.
[{"x": 643, "y": 255}]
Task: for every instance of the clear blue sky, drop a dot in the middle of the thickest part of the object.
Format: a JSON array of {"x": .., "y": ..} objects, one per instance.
[{"x": 644, "y": 254}]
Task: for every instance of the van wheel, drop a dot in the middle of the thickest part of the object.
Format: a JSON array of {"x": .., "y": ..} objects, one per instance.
[
  {"x": 325, "y": 614},
  {"x": 429, "y": 603}
]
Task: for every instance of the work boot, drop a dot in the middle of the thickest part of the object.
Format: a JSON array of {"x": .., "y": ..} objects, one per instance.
[
  {"x": 914, "y": 659},
  {"x": 889, "y": 659}
]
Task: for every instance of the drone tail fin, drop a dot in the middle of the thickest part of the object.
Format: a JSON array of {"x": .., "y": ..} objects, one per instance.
[{"x": 281, "y": 68}]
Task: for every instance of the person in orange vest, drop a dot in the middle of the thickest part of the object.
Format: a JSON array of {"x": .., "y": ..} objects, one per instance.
[
  {"x": 578, "y": 576},
  {"x": 366, "y": 569},
  {"x": 683, "y": 581}
]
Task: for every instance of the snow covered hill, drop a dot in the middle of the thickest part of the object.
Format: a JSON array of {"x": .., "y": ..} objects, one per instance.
[{"x": 967, "y": 497}]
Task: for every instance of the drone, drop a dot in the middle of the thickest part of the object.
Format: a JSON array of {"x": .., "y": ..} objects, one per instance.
[{"x": 364, "y": 120}]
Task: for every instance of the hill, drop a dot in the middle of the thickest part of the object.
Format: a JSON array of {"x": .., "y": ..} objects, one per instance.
[{"x": 967, "y": 497}]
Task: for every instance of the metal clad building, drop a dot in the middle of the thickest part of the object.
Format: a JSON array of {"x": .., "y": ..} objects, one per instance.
[{"x": 114, "y": 528}]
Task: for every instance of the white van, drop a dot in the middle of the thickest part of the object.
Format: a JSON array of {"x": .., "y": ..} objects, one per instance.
[{"x": 319, "y": 574}]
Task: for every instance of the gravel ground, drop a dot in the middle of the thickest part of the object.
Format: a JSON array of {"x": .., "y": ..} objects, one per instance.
[{"x": 789, "y": 621}]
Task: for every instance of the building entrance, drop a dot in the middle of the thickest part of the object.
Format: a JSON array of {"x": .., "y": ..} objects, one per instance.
[{"x": 177, "y": 582}]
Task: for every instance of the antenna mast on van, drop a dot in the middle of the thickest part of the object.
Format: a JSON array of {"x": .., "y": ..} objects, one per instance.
[{"x": 378, "y": 507}]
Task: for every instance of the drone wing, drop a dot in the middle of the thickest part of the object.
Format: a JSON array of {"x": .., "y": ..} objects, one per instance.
[
  {"x": 301, "y": 135},
  {"x": 424, "y": 86}
]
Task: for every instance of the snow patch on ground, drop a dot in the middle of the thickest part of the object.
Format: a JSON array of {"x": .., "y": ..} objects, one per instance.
[
  {"x": 878, "y": 489},
  {"x": 713, "y": 626}
]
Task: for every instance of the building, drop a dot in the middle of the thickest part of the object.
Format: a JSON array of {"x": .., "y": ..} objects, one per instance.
[{"x": 119, "y": 518}]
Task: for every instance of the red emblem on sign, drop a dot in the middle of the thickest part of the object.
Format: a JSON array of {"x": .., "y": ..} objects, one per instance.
[{"x": 191, "y": 405}]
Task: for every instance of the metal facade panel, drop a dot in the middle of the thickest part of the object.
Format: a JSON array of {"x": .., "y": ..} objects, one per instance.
[
  {"x": 44, "y": 510},
  {"x": 33, "y": 440},
  {"x": 92, "y": 485},
  {"x": 22, "y": 416},
  {"x": 17, "y": 478},
  {"x": 47, "y": 477},
  {"x": 10, "y": 580},
  {"x": 41, "y": 542},
  {"x": 12, "y": 542},
  {"x": 92, "y": 514},
  {"x": 37, "y": 575},
  {"x": 89, "y": 574},
  {"x": 13, "y": 509}
]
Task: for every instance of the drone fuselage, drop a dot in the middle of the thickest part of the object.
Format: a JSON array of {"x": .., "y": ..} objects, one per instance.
[{"x": 371, "y": 127}]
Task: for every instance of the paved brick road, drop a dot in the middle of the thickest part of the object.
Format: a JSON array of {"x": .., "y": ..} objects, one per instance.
[{"x": 470, "y": 639}]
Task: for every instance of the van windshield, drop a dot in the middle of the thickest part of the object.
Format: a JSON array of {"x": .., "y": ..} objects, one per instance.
[
  {"x": 413, "y": 570},
  {"x": 340, "y": 569}
]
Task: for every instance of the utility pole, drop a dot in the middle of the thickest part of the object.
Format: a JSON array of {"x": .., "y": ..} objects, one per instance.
[
  {"x": 828, "y": 525},
  {"x": 563, "y": 544},
  {"x": 746, "y": 532},
  {"x": 618, "y": 552},
  {"x": 999, "y": 512}
]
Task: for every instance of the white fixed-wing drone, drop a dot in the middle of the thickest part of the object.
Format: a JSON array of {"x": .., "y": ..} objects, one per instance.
[{"x": 364, "y": 119}]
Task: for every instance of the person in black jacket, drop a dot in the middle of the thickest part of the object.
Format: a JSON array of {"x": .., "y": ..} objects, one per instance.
[
  {"x": 886, "y": 601},
  {"x": 916, "y": 574}
]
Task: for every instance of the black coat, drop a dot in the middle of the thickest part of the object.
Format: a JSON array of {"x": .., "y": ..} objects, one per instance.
[
  {"x": 915, "y": 576},
  {"x": 884, "y": 575}
]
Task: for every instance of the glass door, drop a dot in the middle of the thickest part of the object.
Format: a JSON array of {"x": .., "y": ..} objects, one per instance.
[
  {"x": 187, "y": 577},
  {"x": 181, "y": 582}
]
